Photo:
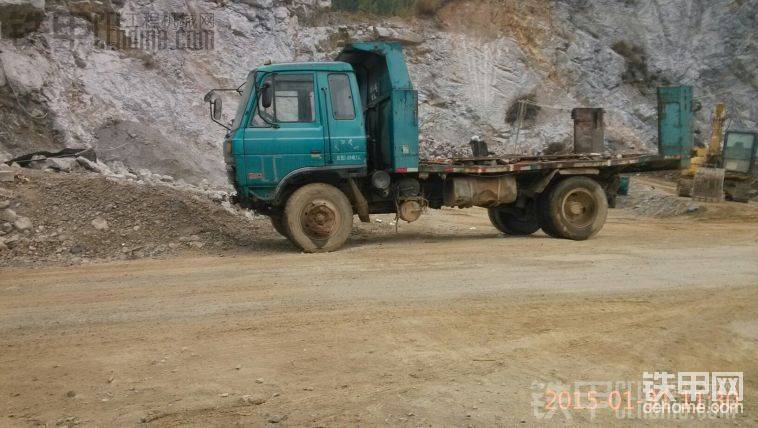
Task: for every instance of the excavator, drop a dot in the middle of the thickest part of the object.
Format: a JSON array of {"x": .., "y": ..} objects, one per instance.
[{"x": 721, "y": 171}]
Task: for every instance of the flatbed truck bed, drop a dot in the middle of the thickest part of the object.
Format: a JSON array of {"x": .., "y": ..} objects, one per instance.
[{"x": 622, "y": 163}]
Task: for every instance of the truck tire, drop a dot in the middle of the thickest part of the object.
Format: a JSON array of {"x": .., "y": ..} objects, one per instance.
[
  {"x": 279, "y": 225},
  {"x": 575, "y": 208},
  {"x": 318, "y": 218},
  {"x": 542, "y": 218},
  {"x": 513, "y": 223}
]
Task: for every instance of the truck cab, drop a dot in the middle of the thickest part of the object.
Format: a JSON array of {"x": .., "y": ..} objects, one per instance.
[
  {"x": 294, "y": 119},
  {"x": 300, "y": 119}
]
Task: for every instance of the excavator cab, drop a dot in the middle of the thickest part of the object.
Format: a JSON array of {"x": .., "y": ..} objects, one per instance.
[
  {"x": 738, "y": 160},
  {"x": 740, "y": 152}
]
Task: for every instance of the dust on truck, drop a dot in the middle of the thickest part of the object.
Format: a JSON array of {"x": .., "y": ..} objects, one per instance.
[{"x": 313, "y": 144}]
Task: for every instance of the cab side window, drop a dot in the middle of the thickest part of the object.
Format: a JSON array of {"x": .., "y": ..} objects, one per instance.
[
  {"x": 293, "y": 100},
  {"x": 293, "y": 97},
  {"x": 342, "y": 98}
]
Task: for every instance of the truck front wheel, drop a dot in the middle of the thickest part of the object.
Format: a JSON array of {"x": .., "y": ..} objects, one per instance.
[
  {"x": 575, "y": 208},
  {"x": 318, "y": 217},
  {"x": 513, "y": 221}
]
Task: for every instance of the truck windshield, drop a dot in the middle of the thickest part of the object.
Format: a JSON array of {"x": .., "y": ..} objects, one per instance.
[{"x": 246, "y": 91}]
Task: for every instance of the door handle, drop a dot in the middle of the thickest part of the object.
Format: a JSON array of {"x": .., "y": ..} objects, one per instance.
[{"x": 315, "y": 152}]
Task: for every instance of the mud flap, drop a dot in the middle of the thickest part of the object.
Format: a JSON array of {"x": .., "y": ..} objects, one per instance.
[{"x": 361, "y": 205}]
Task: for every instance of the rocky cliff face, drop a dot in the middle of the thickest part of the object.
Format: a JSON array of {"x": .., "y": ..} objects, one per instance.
[{"x": 72, "y": 79}]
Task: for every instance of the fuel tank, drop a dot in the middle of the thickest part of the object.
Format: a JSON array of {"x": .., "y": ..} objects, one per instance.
[{"x": 465, "y": 192}]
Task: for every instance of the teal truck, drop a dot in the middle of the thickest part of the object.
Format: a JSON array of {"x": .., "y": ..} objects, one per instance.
[{"x": 312, "y": 144}]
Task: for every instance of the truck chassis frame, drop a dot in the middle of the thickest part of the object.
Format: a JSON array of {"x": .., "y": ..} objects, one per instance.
[{"x": 564, "y": 195}]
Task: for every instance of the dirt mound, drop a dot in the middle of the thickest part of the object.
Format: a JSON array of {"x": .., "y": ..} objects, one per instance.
[
  {"x": 654, "y": 195},
  {"x": 76, "y": 217},
  {"x": 654, "y": 199}
]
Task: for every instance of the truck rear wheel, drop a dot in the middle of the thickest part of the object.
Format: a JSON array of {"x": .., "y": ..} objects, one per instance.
[
  {"x": 575, "y": 208},
  {"x": 318, "y": 218},
  {"x": 515, "y": 222},
  {"x": 542, "y": 216},
  {"x": 279, "y": 225}
]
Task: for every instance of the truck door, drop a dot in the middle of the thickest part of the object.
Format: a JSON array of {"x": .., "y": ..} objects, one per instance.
[
  {"x": 286, "y": 136},
  {"x": 344, "y": 131}
]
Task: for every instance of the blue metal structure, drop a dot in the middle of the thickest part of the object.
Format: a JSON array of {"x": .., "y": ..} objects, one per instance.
[
  {"x": 390, "y": 104},
  {"x": 675, "y": 121}
]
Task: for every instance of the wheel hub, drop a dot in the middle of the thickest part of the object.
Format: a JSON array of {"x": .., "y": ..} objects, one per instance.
[
  {"x": 579, "y": 208},
  {"x": 576, "y": 208},
  {"x": 319, "y": 219}
]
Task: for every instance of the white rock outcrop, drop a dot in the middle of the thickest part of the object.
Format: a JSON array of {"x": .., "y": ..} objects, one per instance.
[{"x": 470, "y": 61}]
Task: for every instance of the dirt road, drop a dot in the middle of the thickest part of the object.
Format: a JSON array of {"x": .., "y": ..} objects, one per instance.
[{"x": 444, "y": 323}]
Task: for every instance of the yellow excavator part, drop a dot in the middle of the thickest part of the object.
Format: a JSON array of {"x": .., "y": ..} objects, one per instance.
[
  {"x": 717, "y": 131},
  {"x": 705, "y": 158},
  {"x": 708, "y": 184},
  {"x": 697, "y": 161}
]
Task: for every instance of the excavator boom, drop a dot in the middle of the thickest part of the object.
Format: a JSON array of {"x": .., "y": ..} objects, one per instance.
[
  {"x": 717, "y": 132},
  {"x": 709, "y": 179}
]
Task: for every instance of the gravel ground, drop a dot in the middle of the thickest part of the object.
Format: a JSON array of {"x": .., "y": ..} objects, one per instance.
[
  {"x": 84, "y": 217},
  {"x": 445, "y": 323},
  {"x": 80, "y": 217}
]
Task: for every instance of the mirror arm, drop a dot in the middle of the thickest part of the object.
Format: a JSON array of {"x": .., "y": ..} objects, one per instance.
[
  {"x": 238, "y": 90},
  {"x": 210, "y": 106}
]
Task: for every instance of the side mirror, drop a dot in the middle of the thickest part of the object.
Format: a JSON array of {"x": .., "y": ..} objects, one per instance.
[
  {"x": 266, "y": 95},
  {"x": 217, "y": 105},
  {"x": 217, "y": 108}
]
